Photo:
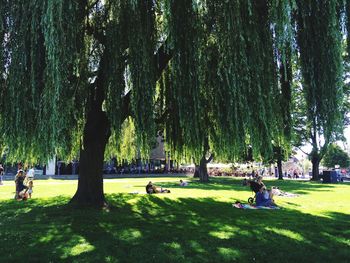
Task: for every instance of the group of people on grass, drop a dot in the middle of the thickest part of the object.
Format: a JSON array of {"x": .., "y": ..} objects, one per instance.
[
  {"x": 24, "y": 184},
  {"x": 263, "y": 196}
]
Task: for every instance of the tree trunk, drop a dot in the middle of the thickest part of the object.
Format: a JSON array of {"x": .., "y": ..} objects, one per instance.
[
  {"x": 196, "y": 171},
  {"x": 90, "y": 183},
  {"x": 315, "y": 160},
  {"x": 279, "y": 168},
  {"x": 279, "y": 163},
  {"x": 203, "y": 172}
]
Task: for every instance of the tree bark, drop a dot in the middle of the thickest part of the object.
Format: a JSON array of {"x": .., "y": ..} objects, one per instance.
[
  {"x": 279, "y": 163},
  {"x": 196, "y": 171},
  {"x": 279, "y": 168},
  {"x": 315, "y": 160},
  {"x": 97, "y": 132},
  {"x": 90, "y": 183},
  {"x": 203, "y": 171}
]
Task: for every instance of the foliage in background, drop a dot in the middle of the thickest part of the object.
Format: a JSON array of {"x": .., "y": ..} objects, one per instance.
[{"x": 336, "y": 156}]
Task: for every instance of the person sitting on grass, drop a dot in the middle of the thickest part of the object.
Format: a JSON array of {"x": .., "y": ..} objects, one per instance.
[
  {"x": 255, "y": 185},
  {"x": 23, "y": 195},
  {"x": 20, "y": 186},
  {"x": 153, "y": 189},
  {"x": 263, "y": 198}
]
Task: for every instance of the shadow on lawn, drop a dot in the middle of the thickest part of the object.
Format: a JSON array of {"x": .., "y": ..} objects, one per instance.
[{"x": 157, "y": 229}]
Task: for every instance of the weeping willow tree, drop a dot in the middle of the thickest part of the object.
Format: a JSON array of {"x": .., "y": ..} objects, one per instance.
[
  {"x": 210, "y": 72},
  {"x": 222, "y": 82},
  {"x": 281, "y": 15},
  {"x": 319, "y": 43}
]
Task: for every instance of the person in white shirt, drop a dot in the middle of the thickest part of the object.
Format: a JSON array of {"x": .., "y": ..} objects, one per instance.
[
  {"x": 30, "y": 173},
  {"x": 183, "y": 183}
]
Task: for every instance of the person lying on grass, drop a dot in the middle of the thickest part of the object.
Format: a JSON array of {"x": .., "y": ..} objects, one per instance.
[
  {"x": 153, "y": 189},
  {"x": 183, "y": 183}
]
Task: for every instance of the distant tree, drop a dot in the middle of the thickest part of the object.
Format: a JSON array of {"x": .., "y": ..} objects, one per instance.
[
  {"x": 319, "y": 98},
  {"x": 336, "y": 156}
]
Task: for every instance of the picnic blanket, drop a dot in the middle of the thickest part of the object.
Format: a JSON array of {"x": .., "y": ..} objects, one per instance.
[
  {"x": 247, "y": 206},
  {"x": 286, "y": 194},
  {"x": 278, "y": 192}
]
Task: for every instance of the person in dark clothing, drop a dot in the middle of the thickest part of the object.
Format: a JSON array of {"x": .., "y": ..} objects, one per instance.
[
  {"x": 261, "y": 200},
  {"x": 20, "y": 186},
  {"x": 149, "y": 188},
  {"x": 255, "y": 186},
  {"x": 152, "y": 189}
]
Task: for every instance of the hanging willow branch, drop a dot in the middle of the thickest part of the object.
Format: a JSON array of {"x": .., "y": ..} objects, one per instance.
[
  {"x": 184, "y": 26},
  {"x": 142, "y": 68},
  {"x": 321, "y": 62}
]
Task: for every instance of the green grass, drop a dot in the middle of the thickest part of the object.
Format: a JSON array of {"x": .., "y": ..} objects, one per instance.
[{"x": 192, "y": 224}]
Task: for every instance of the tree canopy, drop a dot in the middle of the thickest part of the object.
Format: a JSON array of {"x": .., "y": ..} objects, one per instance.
[
  {"x": 210, "y": 71},
  {"x": 336, "y": 156}
]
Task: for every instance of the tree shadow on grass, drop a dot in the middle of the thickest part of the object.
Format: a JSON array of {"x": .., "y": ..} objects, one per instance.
[{"x": 158, "y": 229}]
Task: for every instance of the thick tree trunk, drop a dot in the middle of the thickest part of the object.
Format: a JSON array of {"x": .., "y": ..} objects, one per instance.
[
  {"x": 196, "y": 171},
  {"x": 315, "y": 160},
  {"x": 203, "y": 171},
  {"x": 90, "y": 184}
]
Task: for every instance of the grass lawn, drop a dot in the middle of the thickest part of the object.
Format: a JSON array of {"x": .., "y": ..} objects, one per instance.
[{"x": 192, "y": 224}]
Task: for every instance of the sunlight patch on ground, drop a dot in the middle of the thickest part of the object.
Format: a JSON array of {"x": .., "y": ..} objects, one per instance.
[
  {"x": 222, "y": 234},
  {"x": 229, "y": 253},
  {"x": 50, "y": 235},
  {"x": 129, "y": 235},
  {"x": 196, "y": 247},
  {"x": 174, "y": 251},
  {"x": 225, "y": 232},
  {"x": 286, "y": 233},
  {"x": 337, "y": 239},
  {"x": 82, "y": 247}
]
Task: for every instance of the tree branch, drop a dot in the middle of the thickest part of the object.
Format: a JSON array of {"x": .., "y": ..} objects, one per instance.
[
  {"x": 126, "y": 106},
  {"x": 161, "y": 60},
  {"x": 211, "y": 157},
  {"x": 98, "y": 35},
  {"x": 302, "y": 150},
  {"x": 93, "y": 4}
]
